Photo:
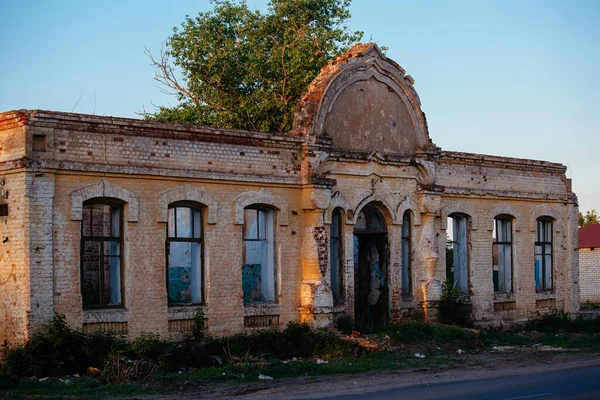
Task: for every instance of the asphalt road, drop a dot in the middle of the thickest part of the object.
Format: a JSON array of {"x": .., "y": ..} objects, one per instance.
[{"x": 575, "y": 383}]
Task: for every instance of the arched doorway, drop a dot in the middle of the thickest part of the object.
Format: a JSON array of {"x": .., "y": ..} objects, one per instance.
[{"x": 370, "y": 267}]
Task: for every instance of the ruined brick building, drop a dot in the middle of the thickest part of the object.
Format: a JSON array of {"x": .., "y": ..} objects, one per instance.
[{"x": 131, "y": 225}]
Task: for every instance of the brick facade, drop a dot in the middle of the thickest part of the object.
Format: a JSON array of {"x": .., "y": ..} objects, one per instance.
[
  {"x": 302, "y": 178},
  {"x": 589, "y": 275}
]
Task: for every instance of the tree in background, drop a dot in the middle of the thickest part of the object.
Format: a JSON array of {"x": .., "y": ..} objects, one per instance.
[
  {"x": 590, "y": 218},
  {"x": 233, "y": 67}
]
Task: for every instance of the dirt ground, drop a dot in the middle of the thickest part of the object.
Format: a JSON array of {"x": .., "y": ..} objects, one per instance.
[{"x": 503, "y": 361}]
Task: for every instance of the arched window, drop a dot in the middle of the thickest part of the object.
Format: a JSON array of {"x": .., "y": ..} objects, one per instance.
[
  {"x": 184, "y": 254},
  {"x": 335, "y": 256},
  {"x": 456, "y": 251},
  {"x": 543, "y": 254},
  {"x": 502, "y": 255},
  {"x": 101, "y": 250},
  {"x": 258, "y": 272},
  {"x": 406, "y": 254}
]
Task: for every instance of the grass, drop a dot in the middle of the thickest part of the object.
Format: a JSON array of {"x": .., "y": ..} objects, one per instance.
[
  {"x": 385, "y": 360},
  {"x": 83, "y": 387},
  {"x": 247, "y": 355},
  {"x": 88, "y": 388}
]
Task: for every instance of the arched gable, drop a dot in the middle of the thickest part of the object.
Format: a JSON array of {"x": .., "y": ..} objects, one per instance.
[
  {"x": 187, "y": 193},
  {"x": 337, "y": 201},
  {"x": 461, "y": 207},
  {"x": 398, "y": 126},
  {"x": 545, "y": 210},
  {"x": 504, "y": 209},
  {"x": 261, "y": 197},
  {"x": 409, "y": 204},
  {"x": 104, "y": 189}
]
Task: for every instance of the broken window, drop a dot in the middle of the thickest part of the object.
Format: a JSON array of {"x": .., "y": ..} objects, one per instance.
[
  {"x": 258, "y": 271},
  {"x": 456, "y": 251},
  {"x": 335, "y": 256},
  {"x": 543, "y": 254},
  {"x": 184, "y": 254},
  {"x": 101, "y": 248},
  {"x": 406, "y": 254},
  {"x": 502, "y": 255}
]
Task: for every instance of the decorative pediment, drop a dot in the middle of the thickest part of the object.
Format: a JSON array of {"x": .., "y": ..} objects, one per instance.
[
  {"x": 107, "y": 190},
  {"x": 364, "y": 101},
  {"x": 262, "y": 197},
  {"x": 188, "y": 193}
]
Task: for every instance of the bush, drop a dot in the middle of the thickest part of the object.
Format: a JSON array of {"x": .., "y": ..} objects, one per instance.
[
  {"x": 559, "y": 320},
  {"x": 344, "y": 324},
  {"x": 150, "y": 347},
  {"x": 296, "y": 340},
  {"x": 198, "y": 326},
  {"x": 60, "y": 351},
  {"x": 454, "y": 306}
]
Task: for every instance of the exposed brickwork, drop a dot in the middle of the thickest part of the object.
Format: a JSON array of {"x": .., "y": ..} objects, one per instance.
[
  {"x": 322, "y": 248},
  {"x": 147, "y": 166},
  {"x": 589, "y": 274}
]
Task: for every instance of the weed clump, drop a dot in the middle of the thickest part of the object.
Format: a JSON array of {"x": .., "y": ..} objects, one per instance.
[
  {"x": 60, "y": 351},
  {"x": 454, "y": 306}
]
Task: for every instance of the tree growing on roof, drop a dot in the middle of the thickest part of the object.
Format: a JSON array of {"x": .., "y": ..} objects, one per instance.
[
  {"x": 233, "y": 67},
  {"x": 589, "y": 218}
]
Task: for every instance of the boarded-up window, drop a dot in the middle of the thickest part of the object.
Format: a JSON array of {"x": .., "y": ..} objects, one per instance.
[
  {"x": 258, "y": 271},
  {"x": 184, "y": 254},
  {"x": 335, "y": 256},
  {"x": 456, "y": 252},
  {"x": 101, "y": 248},
  {"x": 406, "y": 254},
  {"x": 502, "y": 255},
  {"x": 543, "y": 254}
]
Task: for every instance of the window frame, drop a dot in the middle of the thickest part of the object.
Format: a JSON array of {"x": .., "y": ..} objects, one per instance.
[
  {"x": 406, "y": 262},
  {"x": 270, "y": 238},
  {"x": 113, "y": 204},
  {"x": 496, "y": 243},
  {"x": 462, "y": 221},
  {"x": 338, "y": 293},
  {"x": 547, "y": 221},
  {"x": 175, "y": 239}
]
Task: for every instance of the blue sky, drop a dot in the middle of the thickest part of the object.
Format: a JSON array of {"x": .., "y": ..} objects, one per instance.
[{"x": 517, "y": 78}]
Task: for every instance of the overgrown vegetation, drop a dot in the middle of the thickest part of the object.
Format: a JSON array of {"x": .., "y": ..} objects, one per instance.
[
  {"x": 454, "y": 306},
  {"x": 60, "y": 351},
  {"x": 293, "y": 351}
]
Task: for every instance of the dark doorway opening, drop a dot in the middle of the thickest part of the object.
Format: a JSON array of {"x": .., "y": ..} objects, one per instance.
[{"x": 371, "y": 255}]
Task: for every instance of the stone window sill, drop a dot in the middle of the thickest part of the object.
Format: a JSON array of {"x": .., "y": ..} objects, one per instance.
[
  {"x": 183, "y": 312},
  {"x": 504, "y": 297},
  {"x": 105, "y": 315},
  {"x": 549, "y": 295},
  {"x": 262, "y": 309}
]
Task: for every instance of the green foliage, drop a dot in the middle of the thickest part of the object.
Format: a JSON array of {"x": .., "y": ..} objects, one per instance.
[
  {"x": 296, "y": 340},
  {"x": 589, "y": 218},
  {"x": 454, "y": 306},
  {"x": 150, "y": 347},
  {"x": 60, "y": 351},
  {"x": 245, "y": 69},
  {"x": 198, "y": 326},
  {"x": 588, "y": 305},
  {"x": 560, "y": 321},
  {"x": 344, "y": 324}
]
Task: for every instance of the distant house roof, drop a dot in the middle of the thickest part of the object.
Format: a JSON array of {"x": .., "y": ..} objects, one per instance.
[{"x": 589, "y": 236}]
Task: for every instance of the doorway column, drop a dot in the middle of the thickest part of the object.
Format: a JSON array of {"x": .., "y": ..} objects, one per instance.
[{"x": 316, "y": 299}]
